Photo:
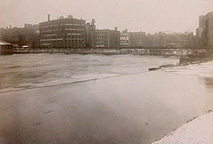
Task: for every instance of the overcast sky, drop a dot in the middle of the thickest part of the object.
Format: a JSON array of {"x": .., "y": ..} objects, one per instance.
[{"x": 135, "y": 15}]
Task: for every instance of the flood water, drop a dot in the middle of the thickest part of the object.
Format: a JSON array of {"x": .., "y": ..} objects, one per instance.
[{"x": 97, "y": 99}]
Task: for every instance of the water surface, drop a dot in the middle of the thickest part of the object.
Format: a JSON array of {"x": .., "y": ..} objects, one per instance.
[{"x": 122, "y": 103}]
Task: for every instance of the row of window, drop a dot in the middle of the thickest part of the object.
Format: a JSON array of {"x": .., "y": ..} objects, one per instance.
[
  {"x": 60, "y": 39},
  {"x": 67, "y": 29},
  {"x": 74, "y": 34},
  {"x": 74, "y": 43},
  {"x": 48, "y": 35},
  {"x": 68, "y": 45},
  {"x": 66, "y": 24},
  {"x": 74, "y": 24},
  {"x": 101, "y": 36},
  {"x": 61, "y": 36},
  {"x": 57, "y": 39},
  {"x": 69, "y": 39},
  {"x": 102, "y": 33},
  {"x": 101, "y": 39}
]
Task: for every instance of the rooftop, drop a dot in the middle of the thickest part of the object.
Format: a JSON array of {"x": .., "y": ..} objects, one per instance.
[{"x": 4, "y": 43}]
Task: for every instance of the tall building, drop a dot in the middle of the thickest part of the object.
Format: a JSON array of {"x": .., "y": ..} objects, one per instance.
[
  {"x": 204, "y": 33},
  {"x": 107, "y": 38},
  {"x": 63, "y": 33},
  {"x": 90, "y": 34},
  {"x": 209, "y": 29}
]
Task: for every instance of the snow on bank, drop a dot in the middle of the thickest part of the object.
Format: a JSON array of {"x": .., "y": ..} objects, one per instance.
[{"x": 198, "y": 131}]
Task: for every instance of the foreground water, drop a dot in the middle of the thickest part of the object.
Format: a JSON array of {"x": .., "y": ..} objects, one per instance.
[
  {"x": 98, "y": 99},
  {"x": 30, "y": 71}
]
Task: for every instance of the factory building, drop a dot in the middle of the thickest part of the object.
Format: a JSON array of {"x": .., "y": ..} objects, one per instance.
[
  {"x": 137, "y": 39},
  {"x": 107, "y": 38},
  {"x": 63, "y": 33}
]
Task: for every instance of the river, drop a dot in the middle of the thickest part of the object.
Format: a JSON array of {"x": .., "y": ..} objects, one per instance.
[{"x": 97, "y": 99}]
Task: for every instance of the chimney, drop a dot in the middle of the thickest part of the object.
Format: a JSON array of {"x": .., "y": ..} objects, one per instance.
[
  {"x": 48, "y": 17},
  {"x": 116, "y": 28},
  {"x": 93, "y": 22}
]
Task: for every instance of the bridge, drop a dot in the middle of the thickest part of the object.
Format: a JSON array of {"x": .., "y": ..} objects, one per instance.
[{"x": 111, "y": 51}]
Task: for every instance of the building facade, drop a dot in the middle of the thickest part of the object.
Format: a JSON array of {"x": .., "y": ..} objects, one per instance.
[
  {"x": 63, "y": 33},
  {"x": 157, "y": 40},
  {"x": 204, "y": 34},
  {"x": 90, "y": 34},
  {"x": 27, "y": 36},
  {"x": 107, "y": 38},
  {"x": 124, "y": 39},
  {"x": 173, "y": 40},
  {"x": 137, "y": 39}
]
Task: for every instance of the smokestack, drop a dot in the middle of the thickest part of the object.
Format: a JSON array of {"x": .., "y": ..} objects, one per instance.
[
  {"x": 48, "y": 17},
  {"x": 116, "y": 28}
]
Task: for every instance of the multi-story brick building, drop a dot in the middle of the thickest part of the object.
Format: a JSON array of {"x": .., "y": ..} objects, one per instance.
[
  {"x": 137, "y": 39},
  {"x": 107, "y": 38},
  {"x": 157, "y": 40},
  {"x": 173, "y": 40},
  {"x": 63, "y": 33},
  {"x": 133, "y": 39}
]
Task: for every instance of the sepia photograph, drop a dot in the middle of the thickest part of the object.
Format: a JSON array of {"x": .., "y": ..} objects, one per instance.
[{"x": 106, "y": 72}]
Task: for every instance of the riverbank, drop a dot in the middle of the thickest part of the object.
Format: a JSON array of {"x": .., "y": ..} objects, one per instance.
[
  {"x": 197, "y": 131},
  {"x": 186, "y": 60},
  {"x": 114, "y": 51}
]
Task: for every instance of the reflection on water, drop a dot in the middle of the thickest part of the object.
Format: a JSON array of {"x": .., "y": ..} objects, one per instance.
[{"x": 130, "y": 109}]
